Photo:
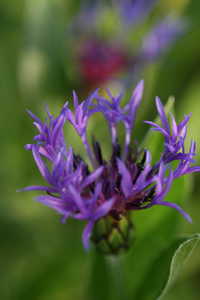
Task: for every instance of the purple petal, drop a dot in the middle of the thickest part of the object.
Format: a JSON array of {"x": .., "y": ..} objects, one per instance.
[
  {"x": 103, "y": 209},
  {"x": 64, "y": 217},
  {"x": 47, "y": 152},
  {"x": 161, "y": 37},
  {"x": 141, "y": 180},
  {"x": 135, "y": 99},
  {"x": 192, "y": 148},
  {"x": 86, "y": 234},
  {"x": 134, "y": 11},
  {"x": 41, "y": 166},
  {"x": 28, "y": 146},
  {"x": 159, "y": 179},
  {"x": 137, "y": 95},
  {"x": 34, "y": 117},
  {"x": 177, "y": 207},
  {"x": 182, "y": 124},
  {"x": 77, "y": 199},
  {"x": 75, "y": 99},
  {"x": 161, "y": 194},
  {"x": 92, "y": 177},
  {"x": 57, "y": 129},
  {"x": 156, "y": 127},
  {"x": 174, "y": 126},
  {"x": 162, "y": 115},
  {"x": 126, "y": 181},
  {"x": 69, "y": 160},
  {"x": 39, "y": 188},
  {"x": 98, "y": 189},
  {"x": 53, "y": 202},
  {"x": 91, "y": 97},
  {"x": 191, "y": 170}
]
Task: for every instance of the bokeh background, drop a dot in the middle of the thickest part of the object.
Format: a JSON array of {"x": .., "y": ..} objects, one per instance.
[{"x": 40, "y": 258}]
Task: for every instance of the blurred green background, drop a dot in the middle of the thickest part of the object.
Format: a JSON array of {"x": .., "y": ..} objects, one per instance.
[{"x": 40, "y": 258}]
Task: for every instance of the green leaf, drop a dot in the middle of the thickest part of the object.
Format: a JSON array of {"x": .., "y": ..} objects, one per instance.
[
  {"x": 180, "y": 257},
  {"x": 54, "y": 271},
  {"x": 155, "y": 270}
]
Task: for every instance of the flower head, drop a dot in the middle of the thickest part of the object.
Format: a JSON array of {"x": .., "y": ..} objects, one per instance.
[
  {"x": 105, "y": 57},
  {"x": 108, "y": 189},
  {"x": 100, "y": 61}
]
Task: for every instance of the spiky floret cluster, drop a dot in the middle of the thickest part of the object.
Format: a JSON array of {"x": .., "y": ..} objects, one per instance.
[{"x": 127, "y": 181}]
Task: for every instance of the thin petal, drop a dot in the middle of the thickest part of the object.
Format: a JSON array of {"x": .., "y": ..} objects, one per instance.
[
  {"x": 133, "y": 12},
  {"x": 161, "y": 37},
  {"x": 86, "y": 234},
  {"x": 77, "y": 199},
  {"x": 34, "y": 117},
  {"x": 126, "y": 181},
  {"x": 162, "y": 114},
  {"x": 177, "y": 207},
  {"x": 75, "y": 99},
  {"x": 135, "y": 100},
  {"x": 104, "y": 209},
  {"x": 137, "y": 94},
  {"x": 182, "y": 124},
  {"x": 157, "y": 128},
  {"x": 58, "y": 128},
  {"x": 38, "y": 188},
  {"x": 55, "y": 203},
  {"x": 40, "y": 164},
  {"x": 92, "y": 177}
]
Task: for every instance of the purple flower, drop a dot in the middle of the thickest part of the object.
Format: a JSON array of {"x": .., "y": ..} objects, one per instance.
[
  {"x": 161, "y": 37},
  {"x": 107, "y": 189},
  {"x": 134, "y": 11},
  {"x": 102, "y": 59}
]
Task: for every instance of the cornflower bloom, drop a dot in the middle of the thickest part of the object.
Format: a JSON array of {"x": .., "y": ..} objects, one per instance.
[
  {"x": 101, "y": 58},
  {"x": 104, "y": 191}
]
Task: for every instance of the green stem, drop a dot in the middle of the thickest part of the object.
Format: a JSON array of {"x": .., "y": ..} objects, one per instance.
[{"x": 118, "y": 291}]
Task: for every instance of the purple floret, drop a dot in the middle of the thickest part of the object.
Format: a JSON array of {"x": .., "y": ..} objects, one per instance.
[
  {"x": 134, "y": 11},
  {"x": 125, "y": 182},
  {"x": 161, "y": 37}
]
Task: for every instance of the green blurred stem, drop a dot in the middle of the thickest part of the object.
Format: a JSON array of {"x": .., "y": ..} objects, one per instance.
[{"x": 117, "y": 278}]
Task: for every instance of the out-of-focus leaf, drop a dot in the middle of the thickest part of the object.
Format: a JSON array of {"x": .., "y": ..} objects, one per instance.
[
  {"x": 193, "y": 11},
  {"x": 172, "y": 78},
  {"x": 164, "y": 269},
  {"x": 181, "y": 64},
  {"x": 180, "y": 257},
  {"x": 54, "y": 273}
]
